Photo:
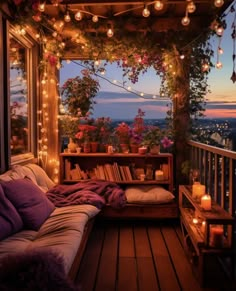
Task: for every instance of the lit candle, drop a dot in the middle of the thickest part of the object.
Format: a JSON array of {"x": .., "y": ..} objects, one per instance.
[
  {"x": 198, "y": 190},
  {"x": 159, "y": 175},
  {"x": 206, "y": 202},
  {"x": 216, "y": 236},
  {"x": 203, "y": 227}
]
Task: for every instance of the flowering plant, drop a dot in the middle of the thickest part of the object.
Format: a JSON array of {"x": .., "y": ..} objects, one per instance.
[
  {"x": 137, "y": 129},
  {"x": 78, "y": 93},
  {"x": 122, "y": 131},
  {"x": 85, "y": 132},
  {"x": 152, "y": 136},
  {"x": 103, "y": 125}
]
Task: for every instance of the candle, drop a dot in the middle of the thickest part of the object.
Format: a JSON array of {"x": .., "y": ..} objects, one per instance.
[
  {"x": 216, "y": 236},
  {"x": 203, "y": 227},
  {"x": 159, "y": 175},
  {"x": 206, "y": 202},
  {"x": 198, "y": 190}
]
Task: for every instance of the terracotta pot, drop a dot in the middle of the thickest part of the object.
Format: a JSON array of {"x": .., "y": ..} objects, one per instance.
[
  {"x": 94, "y": 146},
  {"x": 124, "y": 148},
  {"x": 155, "y": 149},
  {"x": 86, "y": 147},
  {"x": 134, "y": 148}
]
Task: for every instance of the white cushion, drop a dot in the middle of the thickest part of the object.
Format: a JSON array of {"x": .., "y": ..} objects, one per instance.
[{"x": 148, "y": 194}]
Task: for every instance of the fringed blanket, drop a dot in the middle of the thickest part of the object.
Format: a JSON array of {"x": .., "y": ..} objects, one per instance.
[{"x": 94, "y": 192}]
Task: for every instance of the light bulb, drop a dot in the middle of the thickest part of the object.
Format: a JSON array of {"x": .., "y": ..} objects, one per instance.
[
  {"x": 191, "y": 7},
  {"x": 218, "y": 3},
  {"x": 220, "y": 31},
  {"x": 67, "y": 17},
  {"x": 95, "y": 18},
  {"x": 205, "y": 67},
  {"x": 185, "y": 20},
  {"x": 41, "y": 7},
  {"x": 110, "y": 32},
  {"x": 220, "y": 51},
  {"x": 219, "y": 65},
  {"x": 158, "y": 5},
  {"x": 97, "y": 63},
  {"x": 146, "y": 12},
  {"x": 78, "y": 16}
]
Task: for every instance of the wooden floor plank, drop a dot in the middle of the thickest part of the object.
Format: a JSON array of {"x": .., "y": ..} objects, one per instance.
[
  {"x": 146, "y": 275},
  {"x": 182, "y": 266},
  {"x": 142, "y": 246},
  {"x": 90, "y": 260},
  {"x": 127, "y": 275},
  {"x": 166, "y": 273},
  {"x": 126, "y": 245},
  {"x": 106, "y": 280}
]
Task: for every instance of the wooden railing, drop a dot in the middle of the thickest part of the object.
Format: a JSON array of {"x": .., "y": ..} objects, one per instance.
[{"x": 217, "y": 168}]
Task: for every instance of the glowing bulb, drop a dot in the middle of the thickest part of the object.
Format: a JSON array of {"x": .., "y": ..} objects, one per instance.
[
  {"x": 110, "y": 32},
  {"x": 146, "y": 12},
  {"x": 220, "y": 51},
  {"x": 103, "y": 71},
  {"x": 182, "y": 56},
  {"x": 67, "y": 17},
  {"x": 218, "y": 3},
  {"x": 185, "y": 20},
  {"x": 78, "y": 16},
  {"x": 95, "y": 18},
  {"x": 41, "y": 7},
  {"x": 191, "y": 7},
  {"x": 158, "y": 5},
  {"x": 219, "y": 65},
  {"x": 220, "y": 31},
  {"x": 97, "y": 63},
  {"x": 54, "y": 34}
]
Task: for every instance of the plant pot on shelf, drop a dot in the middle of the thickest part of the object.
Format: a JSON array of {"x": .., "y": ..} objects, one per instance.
[
  {"x": 94, "y": 146},
  {"x": 134, "y": 148},
  {"x": 124, "y": 148},
  {"x": 86, "y": 147},
  {"x": 154, "y": 149}
]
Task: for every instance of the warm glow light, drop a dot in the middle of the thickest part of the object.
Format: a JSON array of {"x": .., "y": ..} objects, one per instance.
[
  {"x": 41, "y": 7},
  {"x": 95, "y": 18},
  {"x": 146, "y": 12},
  {"x": 219, "y": 3},
  {"x": 158, "y": 5},
  {"x": 67, "y": 17},
  {"x": 110, "y": 32},
  {"x": 220, "y": 31},
  {"x": 78, "y": 16},
  {"x": 185, "y": 20},
  {"x": 191, "y": 7},
  {"x": 220, "y": 50},
  {"x": 219, "y": 65}
]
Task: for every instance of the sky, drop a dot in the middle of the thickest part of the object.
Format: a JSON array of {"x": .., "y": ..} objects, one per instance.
[{"x": 116, "y": 102}]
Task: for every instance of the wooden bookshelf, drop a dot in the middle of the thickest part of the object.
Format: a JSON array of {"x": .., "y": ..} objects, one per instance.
[{"x": 119, "y": 168}]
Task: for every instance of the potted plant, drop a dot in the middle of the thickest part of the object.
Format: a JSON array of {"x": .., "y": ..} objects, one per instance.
[
  {"x": 152, "y": 138},
  {"x": 136, "y": 131},
  {"x": 78, "y": 94},
  {"x": 122, "y": 131}
]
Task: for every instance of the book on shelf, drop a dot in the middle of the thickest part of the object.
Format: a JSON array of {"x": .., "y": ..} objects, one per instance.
[
  {"x": 165, "y": 169},
  {"x": 128, "y": 173},
  {"x": 67, "y": 169},
  {"x": 109, "y": 171},
  {"x": 117, "y": 172}
]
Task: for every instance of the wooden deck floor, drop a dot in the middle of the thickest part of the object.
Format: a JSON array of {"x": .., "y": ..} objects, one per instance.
[{"x": 140, "y": 256}]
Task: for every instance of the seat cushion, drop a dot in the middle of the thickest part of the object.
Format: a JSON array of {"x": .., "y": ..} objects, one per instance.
[{"x": 30, "y": 202}]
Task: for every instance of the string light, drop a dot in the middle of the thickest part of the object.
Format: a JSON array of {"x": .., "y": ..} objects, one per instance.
[
  {"x": 41, "y": 7},
  {"x": 67, "y": 17},
  {"x": 191, "y": 7},
  {"x": 158, "y": 5},
  {"x": 95, "y": 18},
  {"x": 78, "y": 16},
  {"x": 146, "y": 11},
  {"x": 219, "y": 3},
  {"x": 185, "y": 20},
  {"x": 110, "y": 32}
]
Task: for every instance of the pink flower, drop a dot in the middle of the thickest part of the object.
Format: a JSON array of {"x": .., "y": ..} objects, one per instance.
[{"x": 166, "y": 142}]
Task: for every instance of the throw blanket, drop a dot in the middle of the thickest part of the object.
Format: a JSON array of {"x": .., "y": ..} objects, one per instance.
[{"x": 95, "y": 192}]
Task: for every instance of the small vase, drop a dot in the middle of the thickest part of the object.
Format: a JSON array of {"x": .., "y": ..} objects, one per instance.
[
  {"x": 94, "y": 146},
  {"x": 71, "y": 146}
]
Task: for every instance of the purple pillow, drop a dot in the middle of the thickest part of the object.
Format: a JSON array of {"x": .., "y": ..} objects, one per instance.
[
  {"x": 10, "y": 220},
  {"x": 30, "y": 202}
]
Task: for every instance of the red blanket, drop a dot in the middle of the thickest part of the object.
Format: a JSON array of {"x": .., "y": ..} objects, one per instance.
[{"x": 95, "y": 192}]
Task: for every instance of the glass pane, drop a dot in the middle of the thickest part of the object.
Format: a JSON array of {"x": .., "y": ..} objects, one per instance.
[{"x": 19, "y": 99}]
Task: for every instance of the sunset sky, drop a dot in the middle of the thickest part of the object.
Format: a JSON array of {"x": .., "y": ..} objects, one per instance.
[{"x": 221, "y": 102}]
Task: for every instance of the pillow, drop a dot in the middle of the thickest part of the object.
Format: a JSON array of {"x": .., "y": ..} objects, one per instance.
[
  {"x": 148, "y": 194},
  {"x": 30, "y": 202},
  {"x": 10, "y": 220},
  {"x": 34, "y": 270}
]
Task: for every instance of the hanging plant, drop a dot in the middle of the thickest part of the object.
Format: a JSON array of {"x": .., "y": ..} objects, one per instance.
[{"x": 78, "y": 94}]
